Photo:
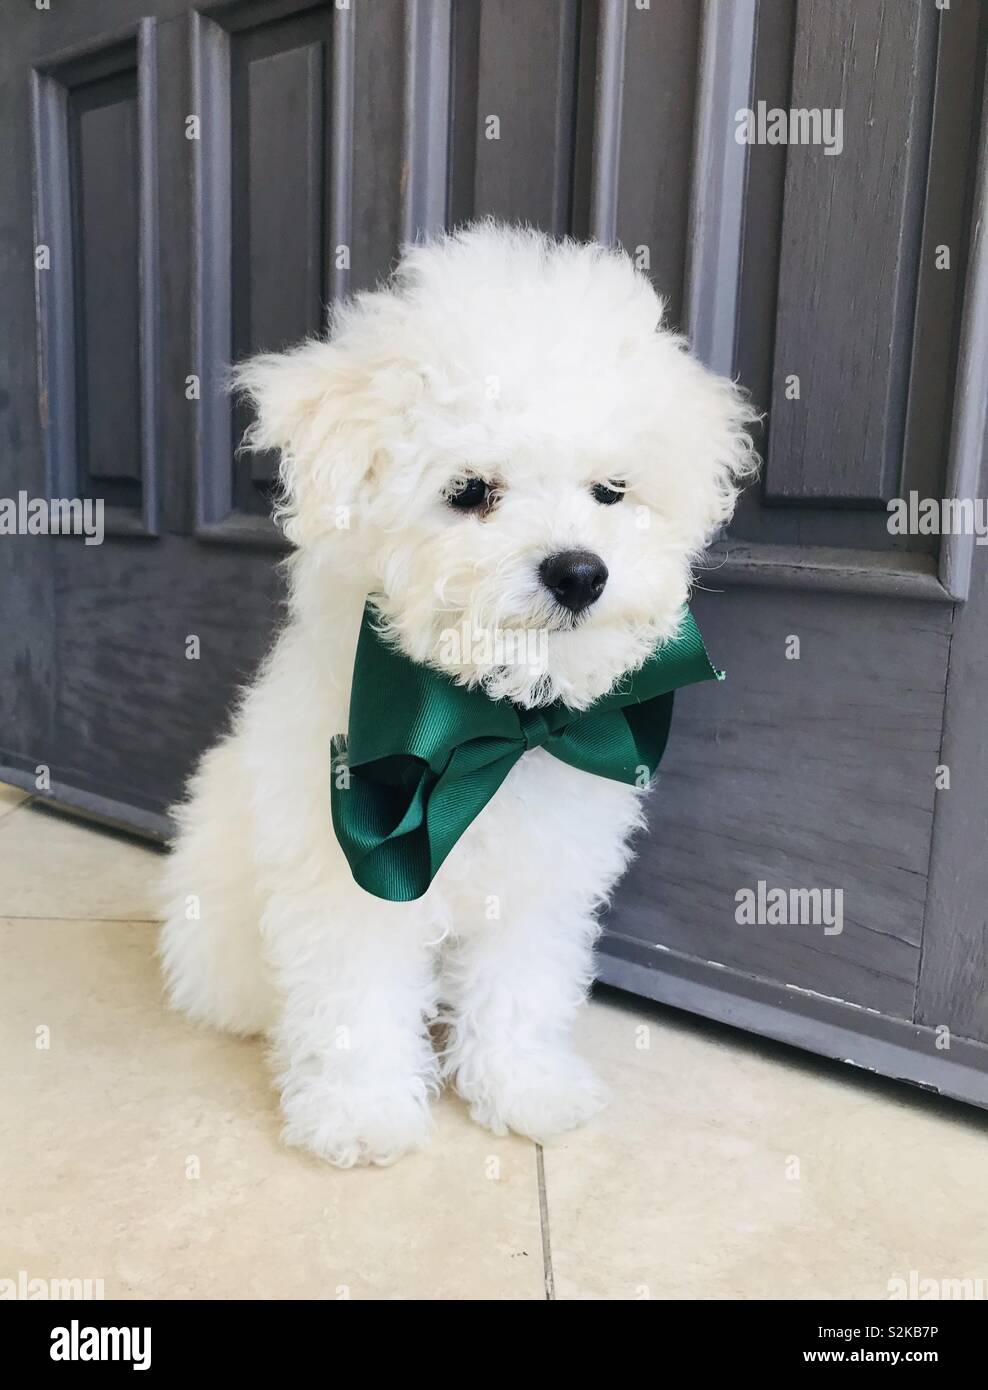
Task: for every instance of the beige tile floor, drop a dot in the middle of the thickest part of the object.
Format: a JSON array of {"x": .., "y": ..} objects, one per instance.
[{"x": 142, "y": 1151}]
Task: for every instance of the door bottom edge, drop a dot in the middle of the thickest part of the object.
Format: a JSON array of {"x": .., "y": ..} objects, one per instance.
[{"x": 893, "y": 1048}]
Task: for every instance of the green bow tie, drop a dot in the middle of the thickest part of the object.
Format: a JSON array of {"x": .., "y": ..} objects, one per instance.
[{"x": 424, "y": 756}]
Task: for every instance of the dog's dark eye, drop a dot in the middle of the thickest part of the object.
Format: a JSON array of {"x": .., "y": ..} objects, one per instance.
[
  {"x": 470, "y": 496},
  {"x": 607, "y": 493}
]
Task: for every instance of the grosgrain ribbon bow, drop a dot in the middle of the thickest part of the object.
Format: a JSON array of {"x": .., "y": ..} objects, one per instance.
[{"x": 423, "y": 756}]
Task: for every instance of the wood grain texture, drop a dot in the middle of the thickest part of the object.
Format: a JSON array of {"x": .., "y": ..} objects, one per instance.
[
  {"x": 809, "y": 773},
  {"x": 828, "y": 569},
  {"x": 941, "y": 220},
  {"x": 132, "y": 712},
  {"x": 842, "y": 439},
  {"x": 657, "y": 140},
  {"x": 526, "y": 68},
  {"x": 377, "y": 141},
  {"x": 280, "y": 149},
  {"x": 953, "y": 983},
  {"x": 946, "y": 218},
  {"x": 29, "y": 35},
  {"x": 280, "y": 176}
]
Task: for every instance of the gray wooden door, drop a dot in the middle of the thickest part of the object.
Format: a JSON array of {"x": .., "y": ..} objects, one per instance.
[
  {"x": 206, "y": 179},
  {"x": 191, "y": 174}
]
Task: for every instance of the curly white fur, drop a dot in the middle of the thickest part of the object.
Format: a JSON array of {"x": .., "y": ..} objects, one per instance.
[{"x": 543, "y": 368}]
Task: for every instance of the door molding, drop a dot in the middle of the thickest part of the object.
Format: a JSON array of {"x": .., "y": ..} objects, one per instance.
[
  {"x": 130, "y": 47},
  {"x": 216, "y": 516}
]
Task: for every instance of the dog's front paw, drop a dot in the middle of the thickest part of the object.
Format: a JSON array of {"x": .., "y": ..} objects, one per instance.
[
  {"x": 349, "y": 1125},
  {"x": 539, "y": 1095}
]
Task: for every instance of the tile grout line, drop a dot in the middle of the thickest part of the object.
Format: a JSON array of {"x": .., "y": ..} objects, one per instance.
[
  {"x": 18, "y": 806},
  {"x": 547, "y": 1274}
]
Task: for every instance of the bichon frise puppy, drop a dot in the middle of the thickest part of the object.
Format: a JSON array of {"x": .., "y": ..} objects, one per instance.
[{"x": 504, "y": 439}]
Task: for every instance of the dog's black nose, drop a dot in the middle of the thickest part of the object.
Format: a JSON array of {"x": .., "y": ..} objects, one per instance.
[{"x": 576, "y": 578}]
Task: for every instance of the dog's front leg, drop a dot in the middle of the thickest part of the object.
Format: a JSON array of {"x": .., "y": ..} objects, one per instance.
[
  {"x": 354, "y": 1061},
  {"x": 510, "y": 990}
]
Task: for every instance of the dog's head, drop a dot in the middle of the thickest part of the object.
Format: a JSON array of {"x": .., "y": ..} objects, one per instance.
[{"x": 512, "y": 454}]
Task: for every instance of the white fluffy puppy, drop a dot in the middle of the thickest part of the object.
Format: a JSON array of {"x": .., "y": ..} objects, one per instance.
[{"x": 504, "y": 438}]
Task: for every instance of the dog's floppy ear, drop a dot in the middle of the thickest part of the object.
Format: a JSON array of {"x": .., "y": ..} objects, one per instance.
[
  {"x": 702, "y": 426},
  {"x": 311, "y": 405},
  {"x": 724, "y": 458}
]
